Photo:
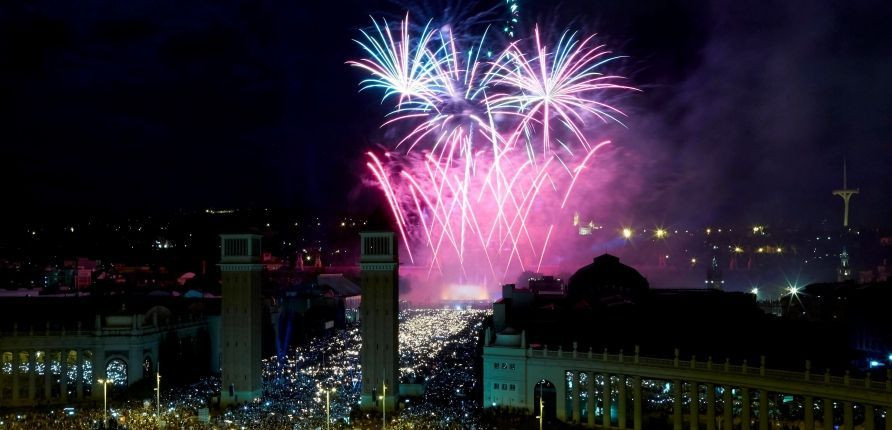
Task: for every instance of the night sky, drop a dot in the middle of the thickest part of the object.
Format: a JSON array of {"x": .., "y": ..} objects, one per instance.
[{"x": 746, "y": 113}]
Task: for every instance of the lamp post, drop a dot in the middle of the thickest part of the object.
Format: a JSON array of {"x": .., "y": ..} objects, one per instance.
[
  {"x": 383, "y": 405},
  {"x": 158, "y": 395},
  {"x": 541, "y": 407},
  {"x": 328, "y": 392},
  {"x": 104, "y": 383}
]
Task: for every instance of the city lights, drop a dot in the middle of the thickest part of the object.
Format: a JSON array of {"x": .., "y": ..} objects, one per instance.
[
  {"x": 627, "y": 232},
  {"x": 411, "y": 242}
]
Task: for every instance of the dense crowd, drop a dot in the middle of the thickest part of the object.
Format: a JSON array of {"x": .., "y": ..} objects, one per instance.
[{"x": 438, "y": 350}]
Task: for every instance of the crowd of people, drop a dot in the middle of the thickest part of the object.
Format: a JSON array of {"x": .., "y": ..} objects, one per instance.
[{"x": 438, "y": 350}]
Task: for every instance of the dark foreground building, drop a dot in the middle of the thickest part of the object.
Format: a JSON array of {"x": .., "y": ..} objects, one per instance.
[{"x": 587, "y": 354}]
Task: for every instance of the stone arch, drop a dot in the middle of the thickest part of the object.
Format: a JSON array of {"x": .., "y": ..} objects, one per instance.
[
  {"x": 116, "y": 368},
  {"x": 70, "y": 359},
  {"x": 547, "y": 391},
  {"x": 86, "y": 362}
]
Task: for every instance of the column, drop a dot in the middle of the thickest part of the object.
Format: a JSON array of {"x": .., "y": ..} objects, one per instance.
[
  {"x": 763, "y": 409},
  {"x": 636, "y": 402},
  {"x": 888, "y": 418},
  {"x": 745, "y": 419},
  {"x": 869, "y": 420},
  {"x": 560, "y": 390},
  {"x": 2, "y": 382},
  {"x": 47, "y": 375},
  {"x": 606, "y": 402},
  {"x": 828, "y": 414},
  {"x": 695, "y": 405},
  {"x": 63, "y": 378},
  {"x": 590, "y": 401},
  {"x": 32, "y": 376},
  {"x": 710, "y": 406},
  {"x": 79, "y": 375},
  {"x": 134, "y": 366},
  {"x": 15, "y": 377},
  {"x": 575, "y": 378},
  {"x": 727, "y": 409},
  {"x": 621, "y": 402},
  {"x": 809, "y": 413},
  {"x": 848, "y": 415},
  {"x": 98, "y": 373},
  {"x": 676, "y": 405}
]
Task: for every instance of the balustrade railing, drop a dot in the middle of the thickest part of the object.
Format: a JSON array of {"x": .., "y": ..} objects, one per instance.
[{"x": 717, "y": 367}]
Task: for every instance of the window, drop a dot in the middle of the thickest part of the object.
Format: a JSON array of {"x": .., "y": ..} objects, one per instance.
[
  {"x": 511, "y": 366},
  {"x": 504, "y": 365},
  {"x": 504, "y": 386},
  {"x": 495, "y": 365},
  {"x": 495, "y": 386},
  {"x": 512, "y": 387}
]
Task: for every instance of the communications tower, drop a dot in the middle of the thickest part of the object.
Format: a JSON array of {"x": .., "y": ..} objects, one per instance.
[{"x": 846, "y": 193}]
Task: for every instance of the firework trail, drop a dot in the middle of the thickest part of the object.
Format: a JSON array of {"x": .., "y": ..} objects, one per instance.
[{"x": 492, "y": 144}]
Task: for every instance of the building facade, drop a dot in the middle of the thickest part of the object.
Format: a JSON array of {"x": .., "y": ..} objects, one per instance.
[
  {"x": 605, "y": 390},
  {"x": 547, "y": 354},
  {"x": 58, "y": 364}
]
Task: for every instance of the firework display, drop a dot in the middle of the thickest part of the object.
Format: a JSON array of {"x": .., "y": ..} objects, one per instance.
[{"x": 489, "y": 143}]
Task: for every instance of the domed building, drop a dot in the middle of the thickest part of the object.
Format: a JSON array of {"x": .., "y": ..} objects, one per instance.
[
  {"x": 608, "y": 325},
  {"x": 606, "y": 280}
]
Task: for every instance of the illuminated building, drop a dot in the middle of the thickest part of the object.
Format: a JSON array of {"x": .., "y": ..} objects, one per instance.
[
  {"x": 379, "y": 357},
  {"x": 590, "y": 355},
  {"x": 240, "y": 269},
  {"x": 53, "y": 350}
]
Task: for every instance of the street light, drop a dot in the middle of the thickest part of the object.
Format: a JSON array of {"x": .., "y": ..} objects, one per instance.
[
  {"x": 383, "y": 405},
  {"x": 541, "y": 406},
  {"x": 104, "y": 383},
  {"x": 158, "y": 395},
  {"x": 328, "y": 392}
]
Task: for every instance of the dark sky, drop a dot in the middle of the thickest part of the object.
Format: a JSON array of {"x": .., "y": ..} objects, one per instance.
[{"x": 746, "y": 113}]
